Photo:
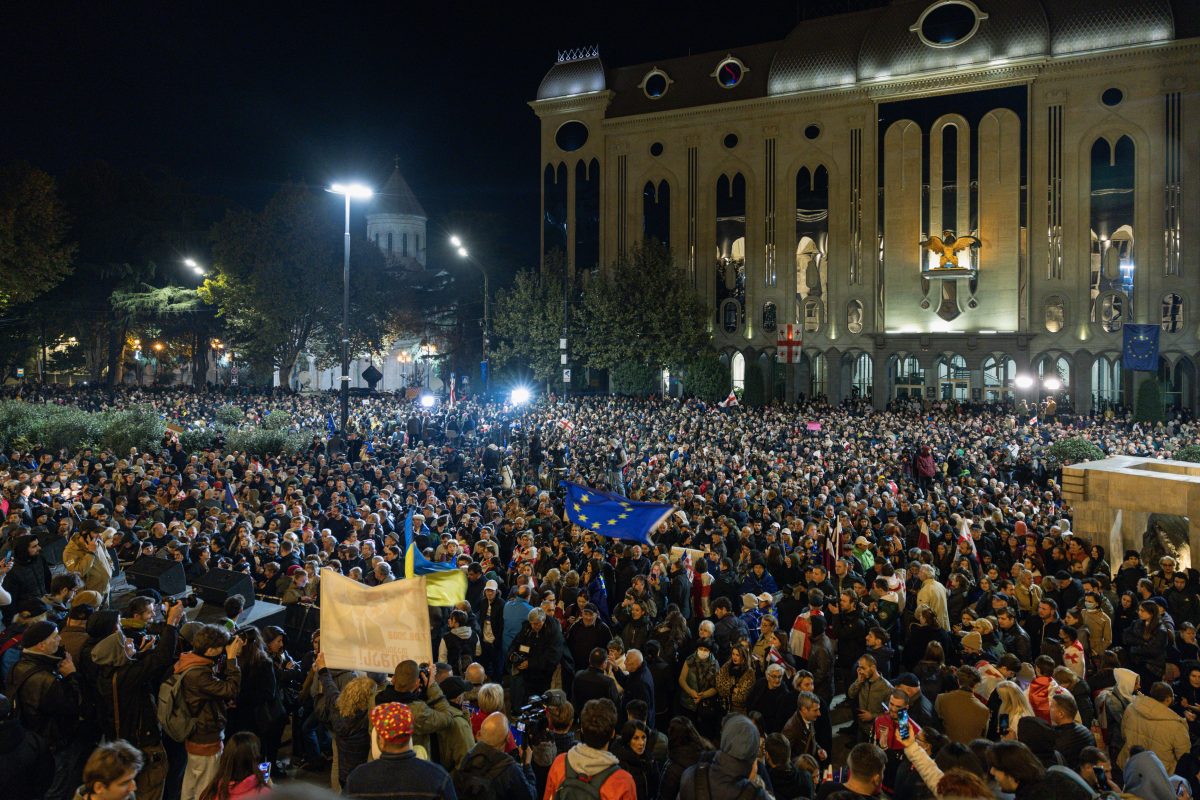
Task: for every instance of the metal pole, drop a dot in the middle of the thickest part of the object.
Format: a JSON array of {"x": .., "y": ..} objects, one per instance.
[
  {"x": 345, "y": 388},
  {"x": 487, "y": 330}
]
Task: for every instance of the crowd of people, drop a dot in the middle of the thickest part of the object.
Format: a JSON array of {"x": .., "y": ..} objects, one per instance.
[{"x": 845, "y": 602}]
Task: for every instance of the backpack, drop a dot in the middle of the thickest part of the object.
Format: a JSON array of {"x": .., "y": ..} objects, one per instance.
[
  {"x": 476, "y": 778},
  {"x": 703, "y": 789},
  {"x": 173, "y": 715},
  {"x": 582, "y": 787}
]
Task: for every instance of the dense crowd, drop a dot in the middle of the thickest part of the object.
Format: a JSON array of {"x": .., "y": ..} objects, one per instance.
[{"x": 845, "y": 603}]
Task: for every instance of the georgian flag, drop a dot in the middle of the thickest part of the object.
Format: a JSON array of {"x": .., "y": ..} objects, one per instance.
[{"x": 730, "y": 401}]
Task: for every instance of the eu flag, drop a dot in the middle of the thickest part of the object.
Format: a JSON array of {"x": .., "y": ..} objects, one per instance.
[
  {"x": 230, "y": 500},
  {"x": 1140, "y": 348},
  {"x": 612, "y": 515},
  {"x": 330, "y": 424}
]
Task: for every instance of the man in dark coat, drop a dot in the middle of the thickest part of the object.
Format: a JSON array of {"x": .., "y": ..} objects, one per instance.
[
  {"x": 535, "y": 654},
  {"x": 594, "y": 681},
  {"x": 30, "y": 574},
  {"x": 638, "y": 684},
  {"x": 506, "y": 779}
]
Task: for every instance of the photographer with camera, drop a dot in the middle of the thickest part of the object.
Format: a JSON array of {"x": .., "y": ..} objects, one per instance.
[
  {"x": 489, "y": 773},
  {"x": 127, "y": 680},
  {"x": 535, "y": 655},
  {"x": 556, "y": 738},
  {"x": 413, "y": 686}
]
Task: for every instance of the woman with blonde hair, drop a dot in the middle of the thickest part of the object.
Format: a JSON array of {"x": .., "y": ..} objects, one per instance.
[
  {"x": 347, "y": 713},
  {"x": 1014, "y": 706}
]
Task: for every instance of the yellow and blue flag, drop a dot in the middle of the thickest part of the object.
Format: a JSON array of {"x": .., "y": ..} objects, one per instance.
[
  {"x": 609, "y": 514},
  {"x": 445, "y": 584}
]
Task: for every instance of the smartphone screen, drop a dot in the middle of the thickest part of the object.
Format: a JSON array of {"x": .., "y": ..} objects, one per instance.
[
  {"x": 1101, "y": 778},
  {"x": 518, "y": 733},
  {"x": 902, "y": 720},
  {"x": 265, "y": 769},
  {"x": 1003, "y": 724}
]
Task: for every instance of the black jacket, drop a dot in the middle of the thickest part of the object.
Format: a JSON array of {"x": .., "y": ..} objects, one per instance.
[
  {"x": 352, "y": 734},
  {"x": 508, "y": 779},
  {"x": 641, "y": 768},
  {"x": 47, "y": 702},
  {"x": 545, "y": 649},
  {"x": 136, "y": 688},
  {"x": 592, "y": 684}
]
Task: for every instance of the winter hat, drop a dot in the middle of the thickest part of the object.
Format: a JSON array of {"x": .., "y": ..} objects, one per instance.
[
  {"x": 739, "y": 740},
  {"x": 973, "y": 642},
  {"x": 37, "y": 633},
  {"x": 394, "y": 722}
]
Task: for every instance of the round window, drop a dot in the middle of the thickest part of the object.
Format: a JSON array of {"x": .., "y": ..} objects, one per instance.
[
  {"x": 571, "y": 136},
  {"x": 729, "y": 73},
  {"x": 948, "y": 23},
  {"x": 731, "y": 140},
  {"x": 656, "y": 149},
  {"x": 656, "y": 84},
  {"x": 1112, "y": 97},
  {"x": 812, "y": 131}
]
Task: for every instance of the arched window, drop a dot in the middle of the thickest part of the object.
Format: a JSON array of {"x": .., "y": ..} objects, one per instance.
[
  {"x": 910, "y": 378},
  {"x": 1172, "y": 313},
  {"x": 998, "y": 375},
  {"x": 731, "y": 241},
  {"x": 656, "y": 212},
  {"x": 769, "y": 317},
  {"x": 404, "y": 245},
  {"x": 729, "y": 316},
  {"x": 1111, "y": 216},
  {"x": 861, "y": 376},
  {"x": 389, "y": 243},
  {"x": 1056, "y": 314},
  {"x": 953, "y": 378},
  {"x": 854, "y": 316},
  {"x": 1112, "y": 311},
  {"x": 820, "y": 373},
  {"x": 812, "y": 315},
  {"x": 1106, "y": 381},
  {"x": 812, "y": 232},
  {"x": 737, "y": 371}
]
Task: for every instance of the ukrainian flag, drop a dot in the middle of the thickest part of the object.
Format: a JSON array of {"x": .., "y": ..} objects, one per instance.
[
  {"x": 445, "y": 584},
  {"x": 612, "y": 515}
]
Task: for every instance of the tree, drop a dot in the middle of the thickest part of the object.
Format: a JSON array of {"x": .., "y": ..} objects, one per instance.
[
  {"x": 641, "y": 310},
  {"x": 1189, "y": 452},
  {"x": 706, "y": 377},
  {"x": 34, "y": 253},
  {"x": 278, "y": 282},
  {"x": 527, "y": 322},
  {"x": 182, "y": 316},
  {"x": 633, "y": 378},
  {"x": 1065, "y": 452},
  {"x": 1149, "y": 407}
]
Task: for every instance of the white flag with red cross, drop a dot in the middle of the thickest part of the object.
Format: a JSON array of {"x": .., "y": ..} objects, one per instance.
[{"x": 787, "y": 349}]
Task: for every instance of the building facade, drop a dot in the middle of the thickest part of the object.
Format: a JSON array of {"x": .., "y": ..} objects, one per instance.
[{"x": 940, "y": 198}]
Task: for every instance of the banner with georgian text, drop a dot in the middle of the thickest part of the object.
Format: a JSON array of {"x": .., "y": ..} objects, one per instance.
[{"x": 373, "y": 628}]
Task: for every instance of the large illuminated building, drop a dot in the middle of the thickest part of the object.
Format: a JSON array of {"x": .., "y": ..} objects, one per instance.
[{"x": 938, "y": 197}]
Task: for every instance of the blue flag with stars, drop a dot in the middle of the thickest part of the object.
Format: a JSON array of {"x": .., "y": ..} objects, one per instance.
[
  {"x": 612, "y": 515},
  {"x": 1140, "y": 348}
]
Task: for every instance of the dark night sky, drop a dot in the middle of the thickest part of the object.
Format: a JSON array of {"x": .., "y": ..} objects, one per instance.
[{"x": 238, "y": 98}]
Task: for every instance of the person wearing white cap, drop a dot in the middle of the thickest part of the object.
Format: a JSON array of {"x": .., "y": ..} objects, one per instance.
[{"x": 490, "y": 613}]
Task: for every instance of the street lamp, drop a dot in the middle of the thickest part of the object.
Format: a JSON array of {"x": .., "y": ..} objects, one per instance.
[
  {"x": 358, "y": 192},
  {"x": 463, "y": 253},
  {"x": 195, "y": 266}
]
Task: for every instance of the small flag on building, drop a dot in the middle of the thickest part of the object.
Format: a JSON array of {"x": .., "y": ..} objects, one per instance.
[{"x": 787, "y": 348}]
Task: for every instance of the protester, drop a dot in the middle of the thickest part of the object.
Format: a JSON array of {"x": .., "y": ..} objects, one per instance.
[{"x": 397, "y": 774}]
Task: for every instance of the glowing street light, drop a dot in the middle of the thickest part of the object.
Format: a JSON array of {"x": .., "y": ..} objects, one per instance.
[
  {"x": 520, "y": 395},
  {"x": 355, "y": 191},
  {"x": 427, "y": 400},
  {"x": 1052, "y": 384},
  {"x": 195, "y": 266},
  {"x": 461, "y": 248}
]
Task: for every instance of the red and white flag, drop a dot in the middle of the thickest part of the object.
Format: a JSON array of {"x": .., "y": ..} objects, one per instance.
[
  {"x": 567, "y": 425},
  {"x": 1033, "y": 420},
  {"x": 787, "y": 348},
  {"x": 730, "y": 401},
  {"x": 453, "y": 383}
]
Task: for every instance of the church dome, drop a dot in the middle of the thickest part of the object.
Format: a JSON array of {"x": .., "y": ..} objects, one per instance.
[
  {"x": 1078, "y": 27},
  {"x": 575, "y": 72},
  {"x": 820, "y": 54},
  {"x": 916, "y": 36},
  {"x": 396, "y": 197}
]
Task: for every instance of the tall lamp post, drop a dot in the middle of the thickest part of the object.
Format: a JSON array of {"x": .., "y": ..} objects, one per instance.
[
  {"x": 358, "y": 192},
  {"x": 487, "y": 316}
]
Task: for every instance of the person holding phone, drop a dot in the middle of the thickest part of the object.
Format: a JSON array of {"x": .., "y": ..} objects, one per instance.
[
  {"x": 889, "y": 732},
  {"x": 241, "y": 771}
]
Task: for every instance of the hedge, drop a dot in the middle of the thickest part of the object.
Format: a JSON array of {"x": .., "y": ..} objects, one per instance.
[{"x": 53, "y": 427}]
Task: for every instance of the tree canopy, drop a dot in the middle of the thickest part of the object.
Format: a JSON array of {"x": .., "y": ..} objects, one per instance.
[{"x": 35, "y": 255}]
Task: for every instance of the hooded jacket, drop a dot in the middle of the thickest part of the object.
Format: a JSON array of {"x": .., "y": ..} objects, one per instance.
[
  {"x": 1146, "y": 778},
  {"x": 127, "y": 688},
  {"x": 47, "y": 701},
  {"x": 729, "y": 769},
  {"x": 30, "y": 575},
  {"x": 1156, "y": 727},
  {"x": 1112, "y": 705},
  {"x": 96, "y": 568},
  {"x": 588, "y": 761},
  {"x": 207, "y": 695}
]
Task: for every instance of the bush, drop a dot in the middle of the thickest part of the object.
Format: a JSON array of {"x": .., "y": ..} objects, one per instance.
[
  {"x": 1189, "y": 453},
  {"x": 1074, "y": 450},
  {"x": 636, "y": 379},
  {"x": 230, "y": 416},
  {"x": 67, "y": 428},
  {"x": 200, "y": 439},
  {"x": 139, "y": 427},
  {"x": 268, "y": 443},
  {"x": 277, "y": 421},
  {"x": 17, "y": 421},
  {"x": 1149, "y": 407},
  {"x": 706, "y": 378}
]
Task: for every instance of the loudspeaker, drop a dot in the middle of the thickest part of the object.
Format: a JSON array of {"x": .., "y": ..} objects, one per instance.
[
  {"x": 163, "y": 574},
  {"x": 216, "y": 585},
  {"x": 299, "y": 624}
]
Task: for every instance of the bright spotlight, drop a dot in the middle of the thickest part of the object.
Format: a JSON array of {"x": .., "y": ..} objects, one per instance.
[
  {"x": 455, "y": 241},
  {"x": 1052, "y": 384},
  {"x": 427, "y": 400},
  {"x": 191, "y": 262},
  {"x": 462, "y": 252},
  {"x": 354, "y": 190},
  {"x": 520, "y": 395},
  {"x": 1023, "y": 381}
]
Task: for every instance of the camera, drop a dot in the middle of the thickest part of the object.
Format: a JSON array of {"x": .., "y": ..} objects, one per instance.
[
  {"x": 191, "y": 601},
  {"x": 529, "y": 721}
]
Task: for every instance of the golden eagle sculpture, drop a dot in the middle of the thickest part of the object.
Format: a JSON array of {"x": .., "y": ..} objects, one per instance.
[{"x": 948, "y": 247}]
